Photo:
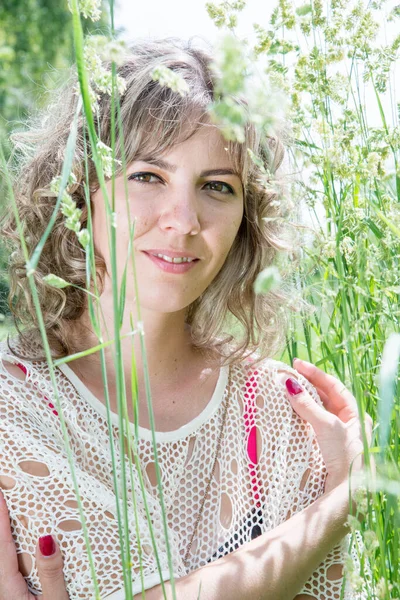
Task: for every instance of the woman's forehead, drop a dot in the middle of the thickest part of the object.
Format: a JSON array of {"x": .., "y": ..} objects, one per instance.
[{"x": 205, "y": 144}]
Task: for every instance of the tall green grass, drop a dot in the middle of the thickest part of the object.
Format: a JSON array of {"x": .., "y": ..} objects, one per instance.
[{"x": 338, "y": 69}]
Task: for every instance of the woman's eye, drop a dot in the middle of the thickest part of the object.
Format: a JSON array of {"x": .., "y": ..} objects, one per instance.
[
  {"x": 134, "y": 177},
  {"x": 221, "y": 183},
  {"x": 143, "y": 177}
]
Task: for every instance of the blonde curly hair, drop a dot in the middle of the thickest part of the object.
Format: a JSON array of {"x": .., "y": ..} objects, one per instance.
[{"x": 266, "y": 230}]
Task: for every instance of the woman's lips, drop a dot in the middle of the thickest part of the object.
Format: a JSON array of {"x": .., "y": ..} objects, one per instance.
[{"x": 168, "y": 267}]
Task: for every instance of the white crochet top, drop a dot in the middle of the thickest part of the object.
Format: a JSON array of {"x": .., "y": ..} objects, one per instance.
[{"x": 249, "y": 494}]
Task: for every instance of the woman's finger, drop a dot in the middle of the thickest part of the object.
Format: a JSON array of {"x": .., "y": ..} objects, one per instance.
[
  {"x": 338, "y": 399},
  {"x": 12, "y": 584},
  {"x": 306, "y": 407},
  {"x": 49, "y": 563},
  {"x": 349, "y": 411},
  {"x": 346, "y": 415}
]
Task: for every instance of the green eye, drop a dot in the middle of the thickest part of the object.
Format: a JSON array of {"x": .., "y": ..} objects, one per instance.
[{"x": 221, "y": 183}]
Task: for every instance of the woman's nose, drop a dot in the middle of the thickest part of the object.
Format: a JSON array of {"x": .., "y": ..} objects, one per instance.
[{"x": 181, "y": 215}]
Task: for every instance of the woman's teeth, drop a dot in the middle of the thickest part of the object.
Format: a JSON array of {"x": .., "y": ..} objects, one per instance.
[{"x": 174, "y": 260}]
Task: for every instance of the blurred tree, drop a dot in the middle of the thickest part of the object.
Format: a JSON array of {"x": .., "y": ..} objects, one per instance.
[{"x": 36, "y": 40}]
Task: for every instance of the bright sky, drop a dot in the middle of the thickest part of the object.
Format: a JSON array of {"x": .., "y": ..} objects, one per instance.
[{"x": 183, "y": 18}]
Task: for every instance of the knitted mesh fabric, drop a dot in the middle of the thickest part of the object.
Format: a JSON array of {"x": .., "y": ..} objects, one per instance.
[{"x": 289, "y": 476}]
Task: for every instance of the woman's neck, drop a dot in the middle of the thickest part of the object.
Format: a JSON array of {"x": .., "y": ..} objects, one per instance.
[{"x": 171, "y": 359}]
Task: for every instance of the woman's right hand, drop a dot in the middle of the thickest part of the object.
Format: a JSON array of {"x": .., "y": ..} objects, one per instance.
[
  {"x": 338, "y": 428},
  {"x": 50, "y": 568}
]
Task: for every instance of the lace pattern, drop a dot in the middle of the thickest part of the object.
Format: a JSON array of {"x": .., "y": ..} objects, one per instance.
[{"x": 290, "y": 473}]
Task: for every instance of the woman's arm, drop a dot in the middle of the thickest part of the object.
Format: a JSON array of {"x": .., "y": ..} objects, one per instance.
[{"x": 275, "y": 565}]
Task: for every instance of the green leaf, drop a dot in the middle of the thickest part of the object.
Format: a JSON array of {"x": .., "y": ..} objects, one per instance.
[
  {"x": 303, "y": 10},
  {"x": 391, "y": 226},
  {"x": 55, "y": 281},
  {"x": 374, "y": 229}
]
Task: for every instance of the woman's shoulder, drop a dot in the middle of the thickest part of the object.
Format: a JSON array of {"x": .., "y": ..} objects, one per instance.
[
  {"x": 268, "y": 375},
  {"x": 12, "y": 364},
  {"x": 23, "y": 388},
  {"x": 9, "y": 365},
  {"x": 257, "y": 367}
]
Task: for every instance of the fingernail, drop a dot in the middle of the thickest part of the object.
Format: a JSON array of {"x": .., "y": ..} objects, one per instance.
[
  {"x": 47, "y": 545},
  {"x": 293, "y": 386}
]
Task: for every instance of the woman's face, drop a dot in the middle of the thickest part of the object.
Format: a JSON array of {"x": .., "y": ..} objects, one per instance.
[{"x": 181, "y": 210}]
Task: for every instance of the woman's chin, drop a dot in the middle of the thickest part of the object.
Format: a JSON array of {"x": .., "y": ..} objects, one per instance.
[{"x": 163, "y": 305}]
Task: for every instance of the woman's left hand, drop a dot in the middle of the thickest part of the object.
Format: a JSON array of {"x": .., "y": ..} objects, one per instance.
[
  {"x": 48, "y": 560},
  {"x": 338, "y": 428}
]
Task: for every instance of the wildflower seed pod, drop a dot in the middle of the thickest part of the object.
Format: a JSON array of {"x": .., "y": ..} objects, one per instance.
[
  {"x": 167, "y": 77},
  {"x": 84, "y": 238},
  {"x": 55, "y": 281}
]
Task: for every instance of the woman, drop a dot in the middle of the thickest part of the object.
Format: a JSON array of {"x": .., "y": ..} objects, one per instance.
[{"x": 242, "y": 473}]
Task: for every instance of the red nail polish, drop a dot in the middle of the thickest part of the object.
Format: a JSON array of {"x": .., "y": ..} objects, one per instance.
[
  {"x": 47, "y": 545},
  {"x": 293, "y": 386}
]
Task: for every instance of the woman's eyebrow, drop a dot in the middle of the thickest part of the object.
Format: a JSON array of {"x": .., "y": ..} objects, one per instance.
[{"x": 163, "y": 164}]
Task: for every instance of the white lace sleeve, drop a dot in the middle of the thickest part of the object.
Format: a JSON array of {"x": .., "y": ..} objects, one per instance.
[{"x": 36, "y": 481}]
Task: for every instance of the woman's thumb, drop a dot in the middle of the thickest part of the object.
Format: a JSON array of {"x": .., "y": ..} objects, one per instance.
[
  {"x": 305, "y": 406},
  {"x": 50, "y": 568}
]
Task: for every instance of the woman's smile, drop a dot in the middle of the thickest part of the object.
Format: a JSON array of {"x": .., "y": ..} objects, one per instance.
[{"x": 168, "y": 264}]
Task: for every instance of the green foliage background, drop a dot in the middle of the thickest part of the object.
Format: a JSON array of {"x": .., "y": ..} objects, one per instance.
[
  {"x": 36, "y": 42},
  {"x": 35, "y": 37}
]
